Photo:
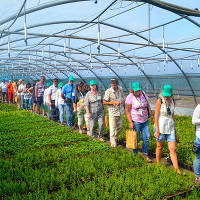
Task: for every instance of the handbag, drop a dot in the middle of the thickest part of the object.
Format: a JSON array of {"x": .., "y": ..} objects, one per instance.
[
  {"x": 69, "y": 100},
  {"x": 106, "y": 121},
  {"x": 149, "y": 115},
  {"x": 131, "y": 139}
]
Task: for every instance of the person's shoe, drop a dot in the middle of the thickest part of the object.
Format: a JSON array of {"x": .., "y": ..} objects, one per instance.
[
  {"x": 101, "y": 139},
  {"x": 147, "y": 158},
  {"x": 80, "y": 131},
  {"x": 197, "y": 181}
]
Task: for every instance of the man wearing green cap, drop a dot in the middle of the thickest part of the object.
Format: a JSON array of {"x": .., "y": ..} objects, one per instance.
[
  {"x": 68, "y": 94},
  {"x": 60, "y": 103},
  {"x": 114, "y": 98}
]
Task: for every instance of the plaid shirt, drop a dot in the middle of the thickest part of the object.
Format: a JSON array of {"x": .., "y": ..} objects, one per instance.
[
  {"x": 112, "y": 95},
  {"x": 95, "y": 103}
]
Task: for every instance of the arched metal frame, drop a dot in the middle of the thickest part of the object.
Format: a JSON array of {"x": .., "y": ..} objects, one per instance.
[{"x": 153, "y": 2}]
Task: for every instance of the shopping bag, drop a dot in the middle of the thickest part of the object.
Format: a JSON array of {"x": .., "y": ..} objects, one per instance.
[
  {"x": 131, "y": 139},
  {"x": 106, "y": 121}
]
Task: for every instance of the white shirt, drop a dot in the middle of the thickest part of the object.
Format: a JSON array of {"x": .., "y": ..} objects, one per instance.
[
  {"x": 21, "y": 88},
  {"x": 3, "y": 86},
  {"x": 45, "y": 97},
  {"x": 52, "y": 91},
  {"x": 196, "y": 120},
  {"x": 59, "y": 99},
  {"x": 166, "y": 122}
]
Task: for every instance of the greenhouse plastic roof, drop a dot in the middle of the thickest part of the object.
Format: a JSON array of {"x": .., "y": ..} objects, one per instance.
[{"x": 99, "y": 38}]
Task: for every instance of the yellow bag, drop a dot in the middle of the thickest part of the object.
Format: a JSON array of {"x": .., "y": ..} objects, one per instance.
[
  {"x": 106, "y": 121},
  {"x": 131, "y": 139}
]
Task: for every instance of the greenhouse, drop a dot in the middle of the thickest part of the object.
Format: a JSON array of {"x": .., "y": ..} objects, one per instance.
[{"x": 50, "y": 148}]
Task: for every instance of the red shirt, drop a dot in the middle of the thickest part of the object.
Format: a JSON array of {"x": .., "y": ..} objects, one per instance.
[{"x": 10, "y": 88}]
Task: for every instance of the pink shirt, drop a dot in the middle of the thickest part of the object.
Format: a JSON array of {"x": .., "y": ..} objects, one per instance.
[{"x": 139, "y": 111}]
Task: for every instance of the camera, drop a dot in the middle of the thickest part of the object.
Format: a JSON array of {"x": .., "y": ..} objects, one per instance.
[{"x": 168, "y": 111}]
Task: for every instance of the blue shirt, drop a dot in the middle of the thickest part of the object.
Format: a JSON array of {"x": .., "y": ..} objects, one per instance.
[{"x": 66, "y": 90}]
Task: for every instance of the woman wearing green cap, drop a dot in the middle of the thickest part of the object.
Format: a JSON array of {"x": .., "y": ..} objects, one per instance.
[
  {"x": 138, "y": 111},
  {"x": 94, "y": 108},
  {"x": 164, "y": 125},
  {"x": 60, "y": 103}
]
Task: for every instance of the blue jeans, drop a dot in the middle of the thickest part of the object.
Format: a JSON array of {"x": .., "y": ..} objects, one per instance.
[
  {"x": 28, "y": 104},
  {"x": 40, "y": 102},
  {"x": 96, "y": 117},
  {"x": 61, "y": 108},
  {"x": 197, "y": 159},
  {"x": 144, "y": 128},
  {"x": 54, "y": 111},
  {"x": 22, "y": 102},
  {"x": 48, "y": 111},
  {"x": 69, "y": 115}
]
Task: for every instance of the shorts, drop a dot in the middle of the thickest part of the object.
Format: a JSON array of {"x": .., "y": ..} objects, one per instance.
[{"x": 168, "y": 137}]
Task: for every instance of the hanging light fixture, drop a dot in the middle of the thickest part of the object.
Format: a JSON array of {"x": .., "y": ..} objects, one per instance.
[
  {"x": 163, "y": 38},
  {"x": 98, "y": 45},
  {"x": 164, "y": 65},
  {"x": 9, "y": 46},
  {"x": 191, "y": 65},
  {"x": 118, "y": 50},
  {"x": 69, "y": 55},
  {"x": 25, "y": 27},
  {"x": 64, "y": 47},
  {"x": 181, "y": 65},
  {"x": 158, "y": 67},
  {"x": 42, "y": 53}
]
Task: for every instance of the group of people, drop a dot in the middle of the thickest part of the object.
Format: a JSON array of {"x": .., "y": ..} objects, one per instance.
[{"x": 63, "y": 101}]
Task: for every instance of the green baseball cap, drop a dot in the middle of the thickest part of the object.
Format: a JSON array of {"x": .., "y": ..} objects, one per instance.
[
  {"x": 48, "y": 84},
  {"x": 167, "y": 90},
  {"x": 136, "y": 86},
  {"x": 60, "y": 85},
  {"x": 93, "y": 82},
  {"x": 71, "y": 78}
]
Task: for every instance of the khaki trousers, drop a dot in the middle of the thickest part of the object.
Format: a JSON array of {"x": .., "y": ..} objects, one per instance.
[{"x": 116, "y": 125}]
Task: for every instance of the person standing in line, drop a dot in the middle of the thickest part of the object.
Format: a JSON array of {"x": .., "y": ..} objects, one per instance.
[
  {"x": 39, "y": 93},
  {"x": 137, "y": 112},
  {"x": 196, "y": 148},
  {"x": 60, "y": 103},
  {"x": 15, "y": 92},
  {"x": 10, "y": 91},
  {"x": 46, "y": 100},
  {"x": 4, "y": 91},
  {"x": 94, "y": 109},
  {"x": 28, "y": 97},
  {"x": 114, "y": 98},
  {"x": 33, "y": 98},
  {"x": 165, "y": 126},
  {"x": 18, "y": 94},
  {"x": 79, "y": 100},
  {"x": 21, "y": 90},
  {"x": 52, "y": 97},
  {"x": 68, "y": 94}
]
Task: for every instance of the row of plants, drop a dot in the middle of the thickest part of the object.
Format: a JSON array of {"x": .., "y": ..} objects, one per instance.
[{"x": 57, "y": 163}]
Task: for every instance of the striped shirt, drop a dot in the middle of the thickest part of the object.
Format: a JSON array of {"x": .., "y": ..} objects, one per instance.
[{"x": 40, "y": 87}]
